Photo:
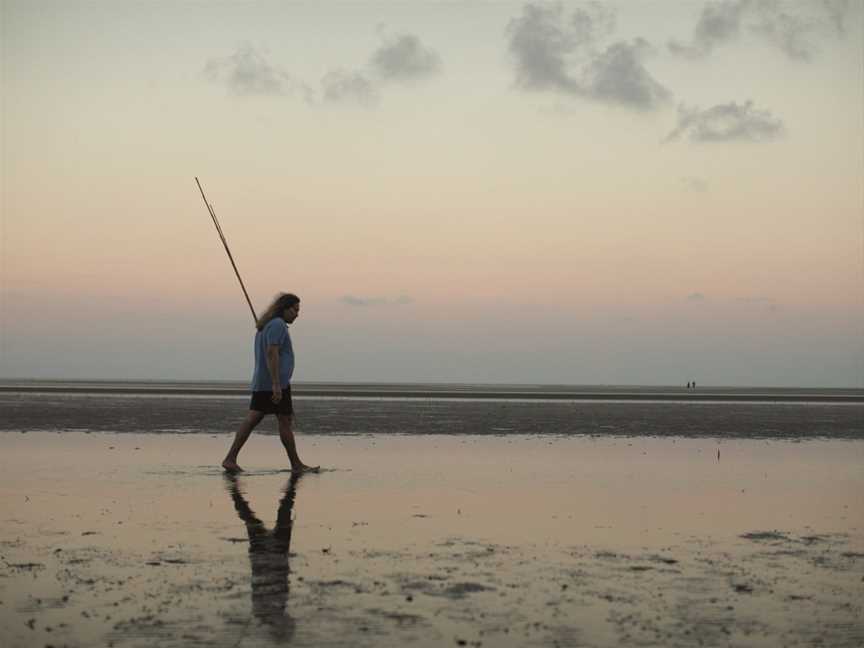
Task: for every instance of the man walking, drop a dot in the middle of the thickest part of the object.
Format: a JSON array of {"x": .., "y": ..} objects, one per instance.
[{"x": 271, "y": 381}]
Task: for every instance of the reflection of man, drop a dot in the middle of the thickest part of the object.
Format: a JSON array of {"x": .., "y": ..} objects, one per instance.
[{"x": 268, "y": 555}]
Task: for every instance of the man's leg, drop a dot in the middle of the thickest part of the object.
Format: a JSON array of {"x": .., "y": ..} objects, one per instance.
[
  {"x": 286, "y": 434},
  {"x": 253, "y": 418}
]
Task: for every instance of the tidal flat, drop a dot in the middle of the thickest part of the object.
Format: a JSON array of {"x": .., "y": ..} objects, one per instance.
[{"x": 478, "y": 540}]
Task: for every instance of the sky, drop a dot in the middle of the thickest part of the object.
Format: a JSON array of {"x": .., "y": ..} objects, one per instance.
[{"x": 498, "y": 192}]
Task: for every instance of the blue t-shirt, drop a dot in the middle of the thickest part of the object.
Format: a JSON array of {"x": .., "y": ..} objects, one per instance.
[{"x": 274, "y": 332}]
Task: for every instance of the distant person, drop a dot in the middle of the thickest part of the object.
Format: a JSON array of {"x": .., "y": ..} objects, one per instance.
[
  {"x": 694, "y": 384},
  {"x": 271, "y": 381},
  {"x": 688, "y": 385}
]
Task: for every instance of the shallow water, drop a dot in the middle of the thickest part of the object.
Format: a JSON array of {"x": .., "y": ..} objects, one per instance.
[{"x": 138, "y": 539}]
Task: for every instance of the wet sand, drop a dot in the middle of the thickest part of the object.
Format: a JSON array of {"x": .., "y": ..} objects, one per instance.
[
  {"x": 139, "y": 540},
  {"x": 343, "y": 416}
]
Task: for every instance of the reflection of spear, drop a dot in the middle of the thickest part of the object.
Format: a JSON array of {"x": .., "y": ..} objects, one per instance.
[{"x": 225, "y": 243}]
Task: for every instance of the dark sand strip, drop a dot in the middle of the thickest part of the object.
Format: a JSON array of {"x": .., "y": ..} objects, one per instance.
[{"x": 32, "y": 411}]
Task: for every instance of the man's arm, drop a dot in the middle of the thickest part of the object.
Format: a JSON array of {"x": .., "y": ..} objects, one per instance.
[{"x": 273, "y": 367}]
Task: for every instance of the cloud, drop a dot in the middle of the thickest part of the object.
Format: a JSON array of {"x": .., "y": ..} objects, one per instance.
[
  {"x": 725, "y": 123},
  {"x": 718, "y": 23},
  {"x": 837, "y": 10},
  {"x": 796, "y": 28},
  {"x": 618, "y": 76},
  {"x": 352, "y": 300},
  {"x": 348, "y": 87},
  {"x": 592, "y": 22},
  {"x": 248, "y": 72},
  {"x": 795, "y": 34},
  {"x": 405, "y": 58},
  {"x": 696, "y": 296},
  {"x": 553, "y": 54},
  {"x": 400, "y": 58},
  {"x": 694, "y": 184},
  {"x": 539, "y": 45}
]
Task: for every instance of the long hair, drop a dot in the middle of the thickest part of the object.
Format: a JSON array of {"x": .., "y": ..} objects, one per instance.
[{"x": 280, "y": 303}]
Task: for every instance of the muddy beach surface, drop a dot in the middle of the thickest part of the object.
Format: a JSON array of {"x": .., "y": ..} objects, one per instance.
[
  {"x": 139, "y": 540},
  {"x": 194, "y": 414}
]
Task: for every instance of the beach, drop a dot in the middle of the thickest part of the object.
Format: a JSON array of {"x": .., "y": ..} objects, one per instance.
[
  {"x": 134, "y": 537},
  {"x": 565, "y": 299}
]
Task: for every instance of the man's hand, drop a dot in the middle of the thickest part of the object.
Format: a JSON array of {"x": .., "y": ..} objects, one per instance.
[{"x": 277, "y": 394}]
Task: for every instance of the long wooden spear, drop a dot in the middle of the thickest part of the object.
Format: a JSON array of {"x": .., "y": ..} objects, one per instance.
[{"x": 227, "y": 249}]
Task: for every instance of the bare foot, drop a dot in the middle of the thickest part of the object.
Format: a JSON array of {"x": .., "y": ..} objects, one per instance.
[
  {"x": 303, "y": 468},
  {"x": 231, "y": 467}
]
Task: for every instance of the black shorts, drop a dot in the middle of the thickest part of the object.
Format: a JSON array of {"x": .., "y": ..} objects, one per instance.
[{"x": 262, "y": 401}]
